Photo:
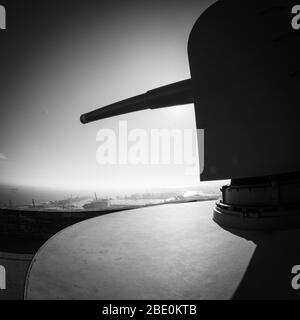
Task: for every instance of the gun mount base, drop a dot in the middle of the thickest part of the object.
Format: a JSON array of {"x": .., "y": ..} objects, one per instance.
[{"x": 262, "y": 203}]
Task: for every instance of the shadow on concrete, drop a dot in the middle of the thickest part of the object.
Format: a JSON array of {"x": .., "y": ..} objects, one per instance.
[
  {"x": 268, "y": 275},
  {"x": 20, "y": 245}
]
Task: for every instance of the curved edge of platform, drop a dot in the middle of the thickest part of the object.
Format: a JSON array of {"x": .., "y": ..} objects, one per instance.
[{"x": 42, "y": 248}]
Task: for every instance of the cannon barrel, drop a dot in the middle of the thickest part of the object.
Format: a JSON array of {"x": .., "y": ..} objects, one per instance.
[{"x": 178, "y": 93}]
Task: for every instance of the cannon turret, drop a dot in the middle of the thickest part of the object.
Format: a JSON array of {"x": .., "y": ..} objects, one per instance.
[{"x": 245, "y": 84}]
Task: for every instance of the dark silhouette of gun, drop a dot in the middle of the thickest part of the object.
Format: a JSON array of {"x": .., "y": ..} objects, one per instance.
[{"x": 178, "y": 93}]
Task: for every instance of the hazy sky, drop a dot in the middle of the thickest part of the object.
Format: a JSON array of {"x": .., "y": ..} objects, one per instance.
[{"x": 60, "y": 59}]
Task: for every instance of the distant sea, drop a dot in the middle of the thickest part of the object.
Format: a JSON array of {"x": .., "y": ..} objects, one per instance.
[{"x": 23, "y": 195}]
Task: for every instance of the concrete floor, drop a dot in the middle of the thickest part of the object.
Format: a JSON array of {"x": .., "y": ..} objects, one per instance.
[{"x": 163, "y": 252}]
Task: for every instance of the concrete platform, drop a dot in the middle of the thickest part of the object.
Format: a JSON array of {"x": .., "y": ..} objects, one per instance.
[{"x": 163, "y": 252}]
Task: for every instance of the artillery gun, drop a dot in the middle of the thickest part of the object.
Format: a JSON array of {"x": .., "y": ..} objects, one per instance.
[{"x": 245, "y": 84}]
